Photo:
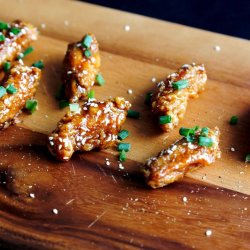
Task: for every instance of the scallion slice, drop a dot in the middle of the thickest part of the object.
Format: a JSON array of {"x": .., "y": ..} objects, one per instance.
[
  {"x": 99, "y": 79},
  {"x": 133, "y": 114},
  {"x": 91, "y": 94},
  {"x": 87, "y": 41},
  {"x": 87, "y": 53},
  {"x": 2, "y": 91},
  {"x": 205, "y": 141},
  {"x": 6, "y": 66},
  {"x": 15, "y": 30},
  {"x": 204, "y": 131},
  {"x": 234, "y": 120},
  {"x": 2, "y": 38},
  {"x": 148, "y": 98},
  {"x": 124, "y": 146},
  {"x": 182, "y": 84},
  {"x": 247, "y": 159},
  {"x": 25, "y": 53},
  {"x": 164, "y": 119},
  {"x": 31, "y": 105},
  {"x": 63, "y": 104},
  {"x": 11, "y": 89},
  {"x": 122, "y": 156},
  {"x": 123, "y": 134},
  {"x": 74, "y": 107},
  {"x": 3, "y": 26},
  {"x": 38, "y": 64}
]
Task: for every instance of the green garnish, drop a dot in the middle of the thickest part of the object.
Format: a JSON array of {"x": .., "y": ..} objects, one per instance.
[
  {"x": 15, "y": 30},
  {"x": 87, "y": 41},
  {"x": 234, "y": 120},
  {"x": 204, "y": 131},
  {"x": 123, "y": 134},
  {"x": 11, "y": 89},
  {"x": 74, "y": 107},
  {"x": 182, "y": 84},
  {"x": 205, "y": 141},
  {"x": 164, "y": 119},
  {"x": 122, "y": 156},
  {"x": 3, "y": 26},
  {"x": 91, "y": 94},
  {"x": 148, "y": 98},
  {"x": 185, "y": 131},
  {"x": 99, "y": 79},
  {"x": 87, "y": 53},
  {"x": 38, "y": 64},
  {"x": 6, "y": 66},
  {"x": 124, "y": 146},
  {"x": 63, "y": 104},
  {"x": 2, "y": 91},
  {"x": 247, "y": 159},
  {"x": 2, "y": 37},
  {"x": 133, "y": 114},
  {"x": 31, "y": 105},
  {"x": 25, "y": 53}
]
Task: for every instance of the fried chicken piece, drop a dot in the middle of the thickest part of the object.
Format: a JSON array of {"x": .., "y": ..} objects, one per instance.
[
  {"x": 25, "y": 81},
  {"x": 181, "y": 157},
  {"x": 80, "y": 67},
  {"x": 94, "y": 125},
  {"x": 169, "y": 101},
  {"x": 18, "y": 37}
]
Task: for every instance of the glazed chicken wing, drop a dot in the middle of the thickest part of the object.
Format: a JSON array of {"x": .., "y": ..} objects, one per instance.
[
  {"x": 171, "y": 98},
  {"x": 15, "y": 38},
  {"x": 94, "y": 125},
  {"x": 80, "y": 67},
  {"x": 19, "y": 85},
  {"x": 181, "y": 157}
]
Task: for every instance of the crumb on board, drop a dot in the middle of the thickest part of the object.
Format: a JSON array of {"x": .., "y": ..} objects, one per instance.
[
  {"x": 66, "y": 22},
  {"x": 130, "y": 91},
  {"x": 232, "y": 149},
  {"x": 55, "y": 211},
  {"x": 185, "y": 199},
  {"x": 153, "y": 79},
  {"x": 217, "y": 48},
  {"x": 32, "y": 195},
  {"x": 208, "y": 232},
  {"x": 43, "y": 25},
  {"x": 127, "y": 27}
]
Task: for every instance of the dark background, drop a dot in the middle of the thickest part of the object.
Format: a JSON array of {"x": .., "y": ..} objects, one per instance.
[{"x": 231, "y": 17}]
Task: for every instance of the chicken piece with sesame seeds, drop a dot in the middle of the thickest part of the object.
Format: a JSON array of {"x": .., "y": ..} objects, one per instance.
[
  {"x": 172, "y": 94},
  {"x": 24, "y": 81},
  {"x": 94, "y": 125},
  {"x": 17, "y": 36},
  {"x": 80, "y": 67},
  {"x": 180, "y": 158}
]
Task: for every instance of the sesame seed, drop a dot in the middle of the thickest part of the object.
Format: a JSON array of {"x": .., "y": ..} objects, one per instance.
[
  {"x": 185, "y": 199},
  {"x": 55, "y": 211},
  {"x": 32, "y": 195},
  {"x": 43, "y": 25},
  {"x": 153, "y": 79},
  {"x": 208, "y": 232},
  {"x": 232, "y": 149},
  {"x": 130, "y": 91},
  {"x": 127, "y": 28},
  {"x": 217, "y": 48}
]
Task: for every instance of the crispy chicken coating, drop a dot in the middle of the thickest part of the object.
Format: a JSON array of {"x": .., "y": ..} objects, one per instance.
[
  {"x": 80, "y": 67},
  {"x": 181, "y": 157},
  {"x": 18, "y": 37},
  {"x": 168, "y": 101},
  {"x": 94, "y": 125},
  {"x": 25, "y": 80}
]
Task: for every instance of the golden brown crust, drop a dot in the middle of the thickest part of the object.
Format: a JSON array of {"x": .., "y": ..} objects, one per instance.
[
  {"x": 96, "y": 125},
  {"x": 25, "y": 79},
  {"x": 13, "y": 44},
  {"x": 79, "y": 71},
  {"x": 181, "y": 157},
  {"x": 168, "y": 101}
]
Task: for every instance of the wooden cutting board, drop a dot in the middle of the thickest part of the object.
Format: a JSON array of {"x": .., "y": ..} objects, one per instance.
[{"x": 103, "y": 206}]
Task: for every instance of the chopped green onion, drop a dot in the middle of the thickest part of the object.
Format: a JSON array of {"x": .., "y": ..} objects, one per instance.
[
  {"x": 165, "y": 119},
  {"x": 182, "y": 84},
  {"x": 91, "y": 94},
  {"x": 234, "y": 120},
  {"x": 3, "y": 26},
  {"x": 99, "y": 79},
  {"x": 38, "y": 64},
  {"x": 190, "y": 138},
  {"x": 15, "y": 30},
  {"x": 25, "y": 53},
  {"x": 204, "y": 131},
  {"x": 247, "y": 159},
  {"x": 87, "y": 53},
  {"x": 2, "y": 37},
  {"x": 133, "y": 114},
  {"x": 87, "y": 41},
  {"x": 2, "y": 91},
  {"x": 122, "y": 156},
  {"x": 185, "y": 131},
  {"x": 123, "y": 134},
  {"x": 148, "y": 98},
  {"x": 205, "y": 141},
  {"x": 11, "y": 89},
  {"x": 124, "y": 146},
  {"x": 31, "y": 105},
  {"x": 63, "y": 104},
  {"x": 60, "y": 93},
  {"x": 74, "y": 107},
  {"x": 6, "y": 66}
]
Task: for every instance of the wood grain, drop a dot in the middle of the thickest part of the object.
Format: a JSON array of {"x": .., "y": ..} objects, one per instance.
[{"x": 104, "y": 207}]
